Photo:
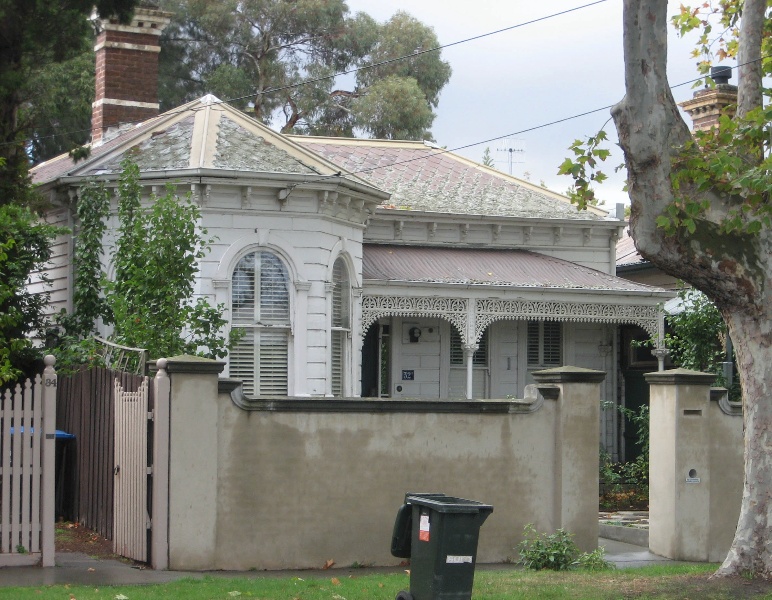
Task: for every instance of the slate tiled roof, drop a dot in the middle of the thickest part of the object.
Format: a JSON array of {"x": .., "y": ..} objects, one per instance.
[
  {"x": 165, "y": 149},
  {"x": 466, "y": 266},
  {"x": 425, "y": 178},
  {"x": 627, "y": 254},
  {"x": 62, "y": 165},
  {"x": 240, "y": 149},
  {"x": 205, "y": 133}
]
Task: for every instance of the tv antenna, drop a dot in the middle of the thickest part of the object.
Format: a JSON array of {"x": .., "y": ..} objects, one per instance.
[{"x": 513, "y": 148}]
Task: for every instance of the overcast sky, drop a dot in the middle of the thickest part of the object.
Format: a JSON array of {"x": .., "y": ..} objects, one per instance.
[{"x": 529, "y": 76}]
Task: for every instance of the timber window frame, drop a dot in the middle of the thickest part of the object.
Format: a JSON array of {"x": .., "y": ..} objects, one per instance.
[
  {"x": 545, "y": 344},
  {"x": 261, "y": 312},
  {"x": 340, "y": 328}
]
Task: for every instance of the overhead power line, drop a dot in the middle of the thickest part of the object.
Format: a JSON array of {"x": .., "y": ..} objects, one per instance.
[
  {"x": 440, "y": 151},
  {"x": 362, "y": 68}
]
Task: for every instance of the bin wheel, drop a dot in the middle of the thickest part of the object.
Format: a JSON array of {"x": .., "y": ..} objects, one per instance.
[{"x": 403, "y": 595}]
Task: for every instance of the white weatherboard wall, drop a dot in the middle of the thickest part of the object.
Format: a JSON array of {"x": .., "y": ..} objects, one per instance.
[
  {"x": 299, "y": 482},
  {"x": 309, "y": 244},
  {"x": 418, "y": 370}
]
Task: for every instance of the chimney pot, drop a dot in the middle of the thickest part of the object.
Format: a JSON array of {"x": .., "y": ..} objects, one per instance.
[{"x": 721, "y": 75}]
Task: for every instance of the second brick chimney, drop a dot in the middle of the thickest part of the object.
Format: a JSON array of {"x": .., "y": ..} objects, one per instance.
[
  {"x": 709, "y": 104},
  {"x": 126, "y": 70}
]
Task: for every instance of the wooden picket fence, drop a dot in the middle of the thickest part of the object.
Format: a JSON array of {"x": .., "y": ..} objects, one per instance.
[
  {"x": 131, "y": 507},
  {"x": 27, "y": 471},
  {"x": 86, "y": 409},
  {"x": 119, "y": 483}
]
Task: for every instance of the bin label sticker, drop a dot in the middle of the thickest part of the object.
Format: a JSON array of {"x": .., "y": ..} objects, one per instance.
[
  {"x": 458, "y": 560},
  {"x": 423, "y": 528}
]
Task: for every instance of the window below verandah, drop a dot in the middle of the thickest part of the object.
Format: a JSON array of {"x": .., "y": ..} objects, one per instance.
[{"x": 545, "y": 344}]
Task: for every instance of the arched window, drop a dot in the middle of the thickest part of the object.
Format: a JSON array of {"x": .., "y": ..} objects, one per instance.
[
  {"x": 260, "y": 311},
  {"x": 341, "y": 326}
]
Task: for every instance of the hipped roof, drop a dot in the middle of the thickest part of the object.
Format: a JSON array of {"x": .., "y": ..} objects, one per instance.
[
  {"x": 424, "y": 177},
  {"x": 205, "y": 134}
]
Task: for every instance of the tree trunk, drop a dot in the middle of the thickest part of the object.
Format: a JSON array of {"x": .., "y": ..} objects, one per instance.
[
  {"x": 751, "y": 551},
  {"x": 734, "y": 270}
]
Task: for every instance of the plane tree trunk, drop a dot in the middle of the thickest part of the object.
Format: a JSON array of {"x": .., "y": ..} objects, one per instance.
[{"x": 733, "y": 269}]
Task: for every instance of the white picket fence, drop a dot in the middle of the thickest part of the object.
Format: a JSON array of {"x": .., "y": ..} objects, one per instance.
[{"x": 27, "y": 471}]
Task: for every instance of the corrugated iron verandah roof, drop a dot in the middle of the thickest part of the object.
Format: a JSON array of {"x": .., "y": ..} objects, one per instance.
[
  {"x": 603, "y": 298},
  {"x": 468, "y": 266}
]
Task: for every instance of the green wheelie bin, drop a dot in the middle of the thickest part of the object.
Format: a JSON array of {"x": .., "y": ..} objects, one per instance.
[{"x": 439, "y": 534}]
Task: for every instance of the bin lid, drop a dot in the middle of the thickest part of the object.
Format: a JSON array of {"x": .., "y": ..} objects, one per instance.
[{"x": 448, "y": 504}]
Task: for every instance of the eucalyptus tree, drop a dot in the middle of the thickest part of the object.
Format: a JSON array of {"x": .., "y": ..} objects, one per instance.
[{"x": 278, "y": 59}]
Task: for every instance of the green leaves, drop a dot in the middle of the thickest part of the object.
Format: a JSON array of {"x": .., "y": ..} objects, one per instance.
[
  {"x": 726, "y": 160},
  {"x": 710, "y": 46},
  {"x": 25, "y": 248},
  {"x": 697, "y": 334},
  {"x": 156, "y": 263},
  {"x": 583, "y": 168},
  {"x": 394, "y": 108},
  {"x": 150, "y": 301},
  {"x": 555, "y": 551},
  {"x": 285, "y": 55},
  {"x": 88, "y": 303}
]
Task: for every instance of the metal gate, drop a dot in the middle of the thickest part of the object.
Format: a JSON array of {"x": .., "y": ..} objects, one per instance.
[{"x": 132, "y": 467}]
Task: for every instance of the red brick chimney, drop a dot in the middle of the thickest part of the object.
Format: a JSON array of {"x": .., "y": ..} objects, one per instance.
[
  {"x": 126, "y": 70},
  {"x": 709, "y": 104}
]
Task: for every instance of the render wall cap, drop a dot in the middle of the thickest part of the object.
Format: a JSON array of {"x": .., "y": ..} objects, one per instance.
[
  {"x": 226, "y": 385},
  {"x": 568, "y": 374},
  {"x": 679, "y": 377},
  {"x": 186, "y": 363},
  {"x": 289, "y": 404},
  {"x": 728, "y": 407}
]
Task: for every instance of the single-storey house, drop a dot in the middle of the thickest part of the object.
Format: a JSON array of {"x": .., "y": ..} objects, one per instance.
[{"x": 358, "y": 267}]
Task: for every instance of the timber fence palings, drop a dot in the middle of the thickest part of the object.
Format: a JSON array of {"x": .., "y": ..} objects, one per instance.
[
  {"x": 27, "y": 440},
  {"x": 86, "y": 409}
]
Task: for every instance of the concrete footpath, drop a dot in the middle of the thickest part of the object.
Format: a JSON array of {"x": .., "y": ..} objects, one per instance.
[{"x": 79, "y": 569}]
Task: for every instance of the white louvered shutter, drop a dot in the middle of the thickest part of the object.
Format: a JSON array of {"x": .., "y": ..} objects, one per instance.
[
  {"x": 260, "y": 307},
  {"x": 457, "y": 383},
  {"x": 341, "y": 326},
  {"x": 553, "y": 344}
]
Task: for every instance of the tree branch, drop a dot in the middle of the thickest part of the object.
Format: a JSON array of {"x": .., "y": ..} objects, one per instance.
[
  {"x": 749, "y": 94},
  {"x": 648, "y": 122},
  {"x": 652, "y": 133}
]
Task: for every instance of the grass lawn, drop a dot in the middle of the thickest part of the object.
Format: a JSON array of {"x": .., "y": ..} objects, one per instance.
[{"x": 676, "y": 582}]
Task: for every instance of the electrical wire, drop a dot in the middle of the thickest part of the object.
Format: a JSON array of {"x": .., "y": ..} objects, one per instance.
[
  {"x": 441, "y": 151},
  {"x": 354, "y": 70}
]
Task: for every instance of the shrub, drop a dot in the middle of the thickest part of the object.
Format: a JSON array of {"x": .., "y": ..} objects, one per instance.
[
  {"x": 594, "y": 561},
  {"x": 555, "y": 551},
  {"x": 558, "y": 552}
]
